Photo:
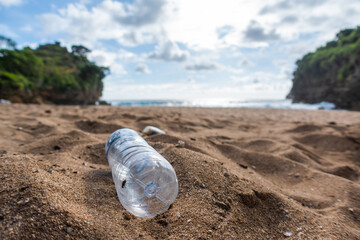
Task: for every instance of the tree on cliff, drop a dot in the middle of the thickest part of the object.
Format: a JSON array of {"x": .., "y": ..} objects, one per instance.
[
  {"x": 331, "y": 73},
  {"x": 79, "y": 50},
  {"x": 7, "y": 43},
  {"x": 50, "y": 74}
]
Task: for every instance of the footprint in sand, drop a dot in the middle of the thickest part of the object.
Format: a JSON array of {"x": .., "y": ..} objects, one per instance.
[
  {"x": 94, "y": 153},
  {"x": 326, "y": 142},
  {"x": 305, "y": 128},
  {"x": 345, "y": 172},
  {"x": 36, "y": 130},
  {"x": 56, "y": 142}
]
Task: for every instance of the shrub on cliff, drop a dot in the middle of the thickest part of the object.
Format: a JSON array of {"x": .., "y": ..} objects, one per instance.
[
  {"x": 331, "y": 73},
  {"x": 50, "y": 74}
]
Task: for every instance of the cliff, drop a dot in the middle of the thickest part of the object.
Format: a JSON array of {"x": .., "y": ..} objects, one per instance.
[
  {"x": 331, "y": 73},
  {"x": 50, "y": 74}
]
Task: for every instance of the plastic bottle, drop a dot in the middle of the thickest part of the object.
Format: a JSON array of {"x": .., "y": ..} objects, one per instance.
[{"x": 145, "y": 181}]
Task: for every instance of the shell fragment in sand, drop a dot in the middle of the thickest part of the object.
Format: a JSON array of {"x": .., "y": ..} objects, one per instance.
[{"x": 152, "y": 130}]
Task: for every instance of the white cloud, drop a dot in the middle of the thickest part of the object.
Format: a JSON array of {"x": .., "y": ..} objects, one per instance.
[
  {"x": 202, "y": 66},
  {"x": 129, "y": 24},
  {"x": 241, "y": 80},
  {"x": 85, "y": 2},
  {"x": 26, "y": 28},
  {"x": 255, "y": 32},
  {"x": 191, "y": 80},
  {"x": 280, "y": 63},
  {"x": 8, "y": 3},
  {"x": 106, "y": 58},
  {"x": 32, "y": 45},
  {"x": 209, "y": 24},
  {"x": 140, "y": 13},
  {"x": 186, "y": 22},
  {"x": 260, "y": 77},
  {"x": 244, "y": 62},
  {"x": 142, "y": 68},
  {"x": 232, "y": 70},
  {"x": 169, "y": 51},
  {"x": 110, "y": 59},
  {"x": 6, "y": 31},
  {"x": 117, "y": 69}
]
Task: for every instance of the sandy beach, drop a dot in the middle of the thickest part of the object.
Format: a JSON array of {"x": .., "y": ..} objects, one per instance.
[{"x": 243, "y": 173}]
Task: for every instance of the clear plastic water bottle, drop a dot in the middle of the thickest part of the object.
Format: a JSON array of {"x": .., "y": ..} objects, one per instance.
[{"x": 145, "y": 181}]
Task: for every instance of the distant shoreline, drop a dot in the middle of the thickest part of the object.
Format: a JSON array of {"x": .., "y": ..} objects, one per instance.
[{"x": 221, "y": 103}]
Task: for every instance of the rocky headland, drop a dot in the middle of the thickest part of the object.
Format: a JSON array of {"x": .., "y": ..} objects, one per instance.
[
  {"x": 331, "y": 73},
  {"x": 50, "y": 74}
]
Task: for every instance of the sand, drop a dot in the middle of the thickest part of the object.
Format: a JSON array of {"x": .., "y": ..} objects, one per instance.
[{"x": 243, "y": 173}]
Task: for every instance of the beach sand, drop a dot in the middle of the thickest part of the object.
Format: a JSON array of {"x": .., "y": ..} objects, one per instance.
[{"x": 243, "y": 173}]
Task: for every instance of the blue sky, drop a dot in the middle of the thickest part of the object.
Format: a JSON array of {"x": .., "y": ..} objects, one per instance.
[{"x": 185, "y": 49}]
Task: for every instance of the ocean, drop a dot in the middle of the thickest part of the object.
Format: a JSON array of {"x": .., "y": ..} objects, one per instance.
[{"x": 221, "y": 103}]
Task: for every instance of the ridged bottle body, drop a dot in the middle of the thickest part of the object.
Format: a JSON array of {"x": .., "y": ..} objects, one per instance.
[{"x": 145, "y": 181}]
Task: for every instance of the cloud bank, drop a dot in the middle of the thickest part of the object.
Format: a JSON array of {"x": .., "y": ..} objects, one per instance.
[
  {"x": 142, "y": 68},
  {"x": 8, "y": 3}
]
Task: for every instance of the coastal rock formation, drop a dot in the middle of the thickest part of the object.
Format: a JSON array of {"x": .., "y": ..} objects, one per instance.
[
  {"x": 50, "y": 74},
  {"x": 331, "y": 73}
]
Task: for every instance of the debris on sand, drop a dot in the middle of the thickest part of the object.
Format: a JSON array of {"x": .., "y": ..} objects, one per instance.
[{"x": 149, "y": 130}]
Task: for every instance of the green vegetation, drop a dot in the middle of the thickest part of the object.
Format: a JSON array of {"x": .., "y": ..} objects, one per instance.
[
  {"x": 331, "y": 73},
  {"x": 49, "y": 74}
]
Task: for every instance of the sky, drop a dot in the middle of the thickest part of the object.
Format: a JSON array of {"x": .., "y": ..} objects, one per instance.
[{"x": 185, "y": 49}]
